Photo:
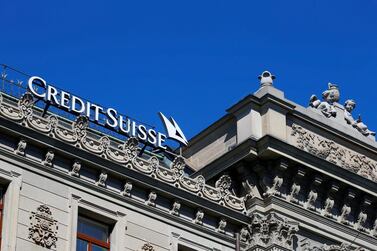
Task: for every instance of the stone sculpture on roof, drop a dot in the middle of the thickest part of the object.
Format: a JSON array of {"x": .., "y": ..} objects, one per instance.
[
  {"x": 358, "y": 124},
  {"x": 330, "y": 96},
  {"x": 330, "y": 108}
]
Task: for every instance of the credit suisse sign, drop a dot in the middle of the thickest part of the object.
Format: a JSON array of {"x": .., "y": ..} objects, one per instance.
[{"x": 112, "y": 119}]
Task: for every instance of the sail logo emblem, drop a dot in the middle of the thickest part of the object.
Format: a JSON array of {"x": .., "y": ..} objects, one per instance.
[{"x": 173, "y": 130}]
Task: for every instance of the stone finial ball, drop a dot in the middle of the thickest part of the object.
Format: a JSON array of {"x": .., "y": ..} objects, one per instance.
[{"x": 266, "y": 79}]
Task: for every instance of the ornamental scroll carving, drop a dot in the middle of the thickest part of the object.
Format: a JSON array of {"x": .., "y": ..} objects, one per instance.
[
  {"x": 341, "y": 247},
  {"x": 270, "y": 230},
  {"x": 334, "y": 153},
  {"x": 43, "y": 227},
  {"x": 147, "y": 247},
  {"x": 127, "y": 153}
]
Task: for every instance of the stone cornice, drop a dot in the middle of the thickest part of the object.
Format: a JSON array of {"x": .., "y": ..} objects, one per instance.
[
  {"x": 326, "y": 225},
  {"x": 117, "y": 198},
  {"x": 269, "y": 145},
  {"x": 101, "y": 154}
]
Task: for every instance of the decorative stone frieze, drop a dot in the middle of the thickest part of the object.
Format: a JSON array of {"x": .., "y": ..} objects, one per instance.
[
  {"x": 125, "y": 154},
  {"x": 270, "y": 230},
  {"x": 21, "y": 146},
  {"x": 334, "y": 153},
  {"x": 75, "y": 171},
  {"x": 102, "y": 179},
  {"x": 175, "y": 208},
  {"x": 306, "y": 246},
  {"x": 43, "y": 227},
  {"x": 99, "y": 146},
  {"x": 341, "y": 247},
  {"x": 48, "y": 158}
]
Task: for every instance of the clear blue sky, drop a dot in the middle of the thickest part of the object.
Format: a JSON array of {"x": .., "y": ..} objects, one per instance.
[{"x": 194, "y": 59}]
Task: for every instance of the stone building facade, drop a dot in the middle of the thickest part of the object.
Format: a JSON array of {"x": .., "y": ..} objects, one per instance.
[{"x": 268, "y": 175}]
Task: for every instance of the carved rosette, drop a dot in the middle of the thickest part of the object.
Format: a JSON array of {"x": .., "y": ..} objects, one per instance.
[
  {"x": 334, "y": 153},
  {"x": 147, "y": 247},
  {"x": 43, "y": 227},
  {"x": 266, "y": 231}
]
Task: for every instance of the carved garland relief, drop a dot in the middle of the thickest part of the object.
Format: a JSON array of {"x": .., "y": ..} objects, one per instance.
[
  {"x": 125, "y": 154},
  {"x": 334, "y": 153}
]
